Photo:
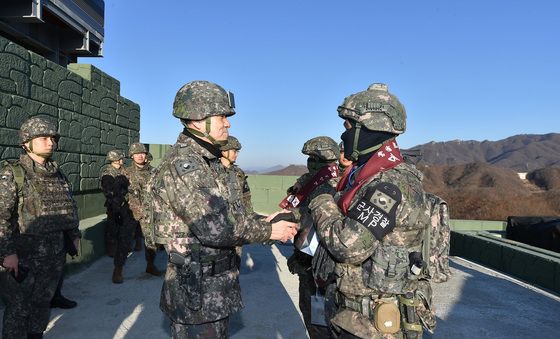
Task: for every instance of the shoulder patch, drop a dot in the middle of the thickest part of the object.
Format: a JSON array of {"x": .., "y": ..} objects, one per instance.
[
  {"x": 377, "y": 209},
  {"x": 185, "y": 166}
]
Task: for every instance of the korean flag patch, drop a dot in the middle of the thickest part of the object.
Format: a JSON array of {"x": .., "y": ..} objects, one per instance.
[{"x": 377, "y": 209}]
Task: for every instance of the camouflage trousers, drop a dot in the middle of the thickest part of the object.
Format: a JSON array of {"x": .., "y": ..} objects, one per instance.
[
  {"x": 28, "y": 303},
  {"x": 211, "y": 330}
]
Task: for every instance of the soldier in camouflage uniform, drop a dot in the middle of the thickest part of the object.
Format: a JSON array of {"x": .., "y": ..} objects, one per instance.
[
  {"x": 439, "y": 238},
  {"x": 241, "y": 188},
  {"x": 375, "y": 226},
  {"x": 196, "y": 220},
  {"x": 37, "y": 212},
  {"x": 321, "y": 178},
  {"x": 120, "y": 224},
  {"x": 138, "y": 174}
]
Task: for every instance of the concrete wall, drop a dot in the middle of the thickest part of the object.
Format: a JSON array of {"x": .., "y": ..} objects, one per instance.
[
  {"x": 85, "y": 103},
  {"x": 91, "y": 116}
]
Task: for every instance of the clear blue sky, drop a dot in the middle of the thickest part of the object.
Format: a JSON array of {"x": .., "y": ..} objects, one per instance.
[{"x": 468, "y": 70}]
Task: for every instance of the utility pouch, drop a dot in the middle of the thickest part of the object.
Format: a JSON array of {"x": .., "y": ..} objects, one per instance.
[
  {"x": 386, "y": 317},
  {"x": 385, "y": 271},
  {"x": 318, "y": 309},
  {"x": 189, "y": 275},
  {"x": 194, "y": 282}
]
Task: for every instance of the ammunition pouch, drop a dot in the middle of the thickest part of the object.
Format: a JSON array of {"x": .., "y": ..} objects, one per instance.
[{"x": 387, "y": 269}]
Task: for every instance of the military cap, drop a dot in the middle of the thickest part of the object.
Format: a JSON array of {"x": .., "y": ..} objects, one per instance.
[
  {"x": 322, "y": 147},
  {"x": 232, "y": 143},
  {"x": 376, "y": 109},
  {"x": 37, "y": 127},
  {"x": 137, "y": 148},
  {"x": 115, "y": 155},
  {"x": 198, "y": 100}
]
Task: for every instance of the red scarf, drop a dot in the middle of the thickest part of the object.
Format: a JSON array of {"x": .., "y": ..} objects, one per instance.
[
  {"x": 387, "y": 157},
  {"x": 324, "y": 174}
]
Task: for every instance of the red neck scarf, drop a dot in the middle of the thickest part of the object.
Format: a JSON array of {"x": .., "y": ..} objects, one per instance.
[
  {"x": 324, "y": 174},
  {"x": 387, "y": 157}
]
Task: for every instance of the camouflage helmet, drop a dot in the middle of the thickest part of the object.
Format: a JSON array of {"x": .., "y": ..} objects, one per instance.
[
  {"x": 198, "y": 100},
  {"x": 37, "y": 127},
  {"x": 322, "y": 147},
  {"x": 232, "y": 143},
  {"x": 115, "y": 155},
  {"x": 376, "y": 109},
  {"x": 136, "y": 148}
]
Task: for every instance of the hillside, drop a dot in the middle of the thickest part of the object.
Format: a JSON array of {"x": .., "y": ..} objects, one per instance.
[
  {"x": 522, "y": 153},
  {"x": 480, "y": 191},
  {"x": 296, "y": 170}
]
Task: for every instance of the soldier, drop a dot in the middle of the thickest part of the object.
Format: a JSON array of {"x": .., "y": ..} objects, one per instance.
[
  {"x": 230, "y": 151},
  {"x": 322, "y": 178},
  {"x": 197, "y": 221},
  {"x": 343, "y": 163},
  {"x": 38, "y": 218},
  {"x": 138, "y": 174},
  {"x": 120, "y": 222},
  {"x": 375, "y": 226}
]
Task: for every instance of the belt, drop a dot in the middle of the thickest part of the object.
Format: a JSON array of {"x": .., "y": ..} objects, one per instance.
[
  {"x": 363, "y": 305},
  {"x": 209, "y": 268}
]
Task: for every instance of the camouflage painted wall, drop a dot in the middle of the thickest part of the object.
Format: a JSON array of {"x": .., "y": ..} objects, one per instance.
[{"x": 91, "y": 114}]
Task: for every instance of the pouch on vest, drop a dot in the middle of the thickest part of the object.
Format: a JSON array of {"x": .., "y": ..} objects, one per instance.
[
  {"x": 386, "y": 317},
  {"x": 318, "y": 309},
  {"x": 386, "y": 270}
]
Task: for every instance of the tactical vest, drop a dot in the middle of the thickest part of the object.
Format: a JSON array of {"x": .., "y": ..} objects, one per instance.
[{"x": 45, "y": 203}]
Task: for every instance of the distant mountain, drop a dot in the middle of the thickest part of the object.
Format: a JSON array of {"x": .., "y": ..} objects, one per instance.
[
  {"x": 480, "y": 191},
  {"x": 521, "y": 153},
  {"x": 296, "y": 170},
  {"x": 261, "y": 170}
]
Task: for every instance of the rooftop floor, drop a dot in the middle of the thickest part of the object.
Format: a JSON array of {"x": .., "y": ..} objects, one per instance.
[{"x": 475, "y": 303}]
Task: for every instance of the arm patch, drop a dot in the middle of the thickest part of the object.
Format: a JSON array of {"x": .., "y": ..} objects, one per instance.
[
  {"x": 377, "y": 209},
  {"x": 185, "y": 166}
]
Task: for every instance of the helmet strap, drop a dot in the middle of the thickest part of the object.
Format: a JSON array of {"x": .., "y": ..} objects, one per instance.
[
  {"x": 355, "y": 152},
  {"x": 206, "y": 133}
]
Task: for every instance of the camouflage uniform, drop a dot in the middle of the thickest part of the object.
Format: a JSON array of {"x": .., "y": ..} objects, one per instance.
[
  {"x": 120, "y": 221},
  {"x": 237, "y": 178},
  {"x": 195, "y": 218},
  {"x": 138, "y": 178},
  {"x": 374, "y": 268},
  {"x": 322, "y": 151},
  {"x": 33, "y": 224},
  {"x": 439, "y": 238}
]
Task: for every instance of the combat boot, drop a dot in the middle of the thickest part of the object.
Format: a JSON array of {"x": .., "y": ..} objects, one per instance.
[
  {"x": 35, "y": 335},
  {"x": 150, "y": 267},
  {"x": 61, "y": 302},
  {"x": 117, "y": 275}
]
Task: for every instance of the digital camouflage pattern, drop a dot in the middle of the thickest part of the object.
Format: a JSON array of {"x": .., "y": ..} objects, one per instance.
[
  {"x": 136, "y": 148},
  {"x": 194, "y": 214},
  {"x": 439, "y": 238},
  {"x": 232, "y": 143},
  {"x": 120, "y": 224},
  {"x": 301, "y": 263},
  {"x": 115, "y": 155},
  {"x": 32, "y": 223},
  {"x": 138, "y": 178},
  {"x": 376, "y": 109},
  {"x": 239, "y": 188},
  {"x": 323, "y": 148},
  {"x": 362, "y": 260},
  {"x": 36, "y": 127},
  {"x": 198, "y": 100}
]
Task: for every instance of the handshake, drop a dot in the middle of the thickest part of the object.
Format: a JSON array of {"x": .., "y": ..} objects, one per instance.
[{"x": 284, "y": 225}]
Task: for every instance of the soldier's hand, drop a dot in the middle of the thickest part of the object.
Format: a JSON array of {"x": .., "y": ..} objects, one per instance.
[
  {"x": 283, "y": 230},
  {"x": 270, "y": 217},
  {"x": 11, "y": 263}
]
